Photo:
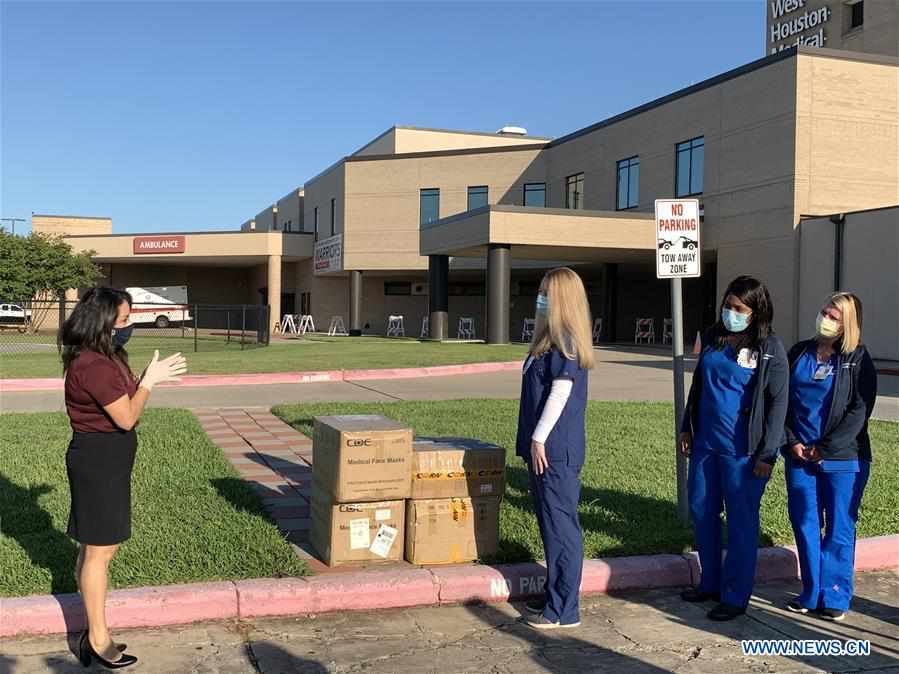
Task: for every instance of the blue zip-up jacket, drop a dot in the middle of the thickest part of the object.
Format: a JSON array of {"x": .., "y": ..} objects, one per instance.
[
  {"x": 769, "y": 403},
  {"x": 854, "y": 393}
]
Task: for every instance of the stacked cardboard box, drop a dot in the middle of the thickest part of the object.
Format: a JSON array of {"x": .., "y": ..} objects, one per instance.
[
  {"x": 361, "y": 476},
  {"x": 453, "y": 515}
]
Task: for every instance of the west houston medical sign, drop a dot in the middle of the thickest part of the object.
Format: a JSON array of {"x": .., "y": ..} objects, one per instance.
[{"x": 787, "y": 22}]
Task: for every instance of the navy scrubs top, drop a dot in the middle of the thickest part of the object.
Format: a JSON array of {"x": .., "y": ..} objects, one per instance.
[
  {"x": 725, "y": 401},
  {"x": 567, "y": 440},
  {"x": 811, "y": 396}
]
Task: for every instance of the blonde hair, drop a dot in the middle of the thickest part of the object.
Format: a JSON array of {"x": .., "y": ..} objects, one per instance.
[
  {"x": 850, "y": 307},
  {"x": 567, "y": 324}
]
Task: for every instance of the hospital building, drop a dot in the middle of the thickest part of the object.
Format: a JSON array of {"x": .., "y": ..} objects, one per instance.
[{"x": 794, "y": 159}]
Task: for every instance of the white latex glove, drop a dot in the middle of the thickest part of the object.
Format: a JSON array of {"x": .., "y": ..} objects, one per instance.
[{"x": 167, "y": 369}]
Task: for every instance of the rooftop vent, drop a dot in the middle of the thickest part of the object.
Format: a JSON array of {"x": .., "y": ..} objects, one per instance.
[{"x": 513, "y": 131}]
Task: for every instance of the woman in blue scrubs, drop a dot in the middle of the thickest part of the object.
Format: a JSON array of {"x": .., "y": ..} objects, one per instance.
[
  {"x": 552, "y": 437},
  {"x": 833, "y": 385},
  {"x": 732, "y": 429}
]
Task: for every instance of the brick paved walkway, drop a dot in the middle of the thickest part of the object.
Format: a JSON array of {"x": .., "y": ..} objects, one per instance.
[{"x": 276, "y": 460}]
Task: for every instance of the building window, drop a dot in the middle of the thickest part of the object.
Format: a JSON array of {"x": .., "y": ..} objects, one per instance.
[
  {"x": 430, "y": 206},
  {"x": 466, "y": 289},
  {"x": 628, "y": 183},
  {"x": 315, "y": 222},
  {"x": 477, "y": 197},
  {"x": 333, "y": 214},
  {"x": 535, "y": 195},
  {"x": 857, "y": 14},
  {"x": 397, "y": 287},
  {"x": 690, "y": 162},
  {"x": 574, "y": 191}
]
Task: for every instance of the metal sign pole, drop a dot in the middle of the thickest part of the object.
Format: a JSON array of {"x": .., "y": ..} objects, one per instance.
[
  {"x": 677, "y": 339},
  {"x": 678, "y": 256}
]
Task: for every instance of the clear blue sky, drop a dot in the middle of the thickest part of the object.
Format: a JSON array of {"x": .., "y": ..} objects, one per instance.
[{"x": 183, "y": 116}]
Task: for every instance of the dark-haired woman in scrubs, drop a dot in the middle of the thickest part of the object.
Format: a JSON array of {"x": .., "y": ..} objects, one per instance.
[{"x": 732, "y": 430}]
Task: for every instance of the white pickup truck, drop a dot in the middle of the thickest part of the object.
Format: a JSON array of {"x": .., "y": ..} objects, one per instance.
[{"x": 160, "y": 306}]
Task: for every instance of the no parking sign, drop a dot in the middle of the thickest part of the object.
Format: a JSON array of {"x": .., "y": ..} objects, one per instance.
[
  {"x": 677, "y": 238},
  {"x": 677, "y": 257}
]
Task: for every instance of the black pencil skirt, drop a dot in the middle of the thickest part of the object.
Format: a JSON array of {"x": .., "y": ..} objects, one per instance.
[{"x": 99, "y": 467}]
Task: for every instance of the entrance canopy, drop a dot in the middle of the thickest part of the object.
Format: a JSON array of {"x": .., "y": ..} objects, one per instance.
[
  {"x": 544, "y": 234},
  {"x": 223, "y": 249}
]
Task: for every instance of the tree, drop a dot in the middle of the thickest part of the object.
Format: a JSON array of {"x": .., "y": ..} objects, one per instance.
[{"x": 39, "y": 268}]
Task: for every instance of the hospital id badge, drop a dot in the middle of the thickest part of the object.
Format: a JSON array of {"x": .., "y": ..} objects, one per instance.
[
  {"x": 823, "y": 372},
  {"x": 748, "y": 359}
]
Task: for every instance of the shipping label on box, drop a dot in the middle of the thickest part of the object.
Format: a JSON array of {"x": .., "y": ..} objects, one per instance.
[
  {"x": 451, "y": 531},
  {"x": 362, "y": 458},
  {"x": 457, "y": 467},
  {"x": 343, "y": 533}
]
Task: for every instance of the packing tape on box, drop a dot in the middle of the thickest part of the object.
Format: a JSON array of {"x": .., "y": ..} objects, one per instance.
[
  {"x": 458, "y": 475},
  {"x": 460, "y": 510}
]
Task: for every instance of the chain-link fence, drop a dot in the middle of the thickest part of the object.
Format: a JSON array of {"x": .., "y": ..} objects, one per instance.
[{"x": 32, "y": 327}]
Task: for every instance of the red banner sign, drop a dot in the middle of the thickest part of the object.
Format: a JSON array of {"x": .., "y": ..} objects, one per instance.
[{"x": 159, "y": 245}]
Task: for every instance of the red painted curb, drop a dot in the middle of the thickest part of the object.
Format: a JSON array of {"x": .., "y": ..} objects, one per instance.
[
  {"x": 273, "y": 596},
  {"x": 138, "y": 607},
  {"x": 373, "y": 589},
  {"x": 632, "y": 573},
  {"x": 270, "y": 378},
  {"x": 387, "y": 588}
]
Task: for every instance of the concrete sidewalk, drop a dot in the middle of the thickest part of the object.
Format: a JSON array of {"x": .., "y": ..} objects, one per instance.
[
  {"x": 649, "y": 632},
  {"x": 622, "y": 374}
]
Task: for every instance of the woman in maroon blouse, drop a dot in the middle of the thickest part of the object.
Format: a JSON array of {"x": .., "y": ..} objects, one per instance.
[{"x": 104, "y": 401}]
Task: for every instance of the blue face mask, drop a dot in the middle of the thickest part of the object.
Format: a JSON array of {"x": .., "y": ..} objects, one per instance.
[
  {"x": 120, "y": 336},
  {"x": 734, "y": 321},
  {"x": 542, "y": 304}
]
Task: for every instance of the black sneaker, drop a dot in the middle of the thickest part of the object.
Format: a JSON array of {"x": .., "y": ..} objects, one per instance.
[
  {"x": 723, "y": 612},
  {"x": 535, "y": 606},
  {"x": 541, "y": 622},
  {"x": 796, "y": 607},
  {"x": 693, "y": 596},
  {"x": 834, "y": 614}
]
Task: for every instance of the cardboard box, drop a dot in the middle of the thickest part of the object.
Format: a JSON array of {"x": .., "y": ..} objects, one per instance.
[
  {"x": 362, "y": 458},
  {"x": 450, "y": 531},
  {"x": 344, "y": 533},
  {"x": 457, "y": 467}
]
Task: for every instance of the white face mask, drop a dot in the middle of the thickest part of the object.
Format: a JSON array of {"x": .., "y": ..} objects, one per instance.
[{"x": 827, "y": 327}]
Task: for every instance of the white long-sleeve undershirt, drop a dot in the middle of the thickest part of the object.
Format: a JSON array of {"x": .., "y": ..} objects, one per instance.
[{"x": 552, "y": 410}]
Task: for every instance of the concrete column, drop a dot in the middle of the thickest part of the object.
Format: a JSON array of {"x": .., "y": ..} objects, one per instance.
[
  {"x": 438, "y": 296},
  {"x": 499, "y": 281},
  {"x": 355, "y": 304},
  {"x": 274, "y": 288}
]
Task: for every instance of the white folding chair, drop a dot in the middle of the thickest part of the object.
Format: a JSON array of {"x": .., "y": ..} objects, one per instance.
[
  {"x": 597, "y": 330},
  {"x": 466, "y": 328},
  {"x": 645, "y": 331},
  {"x": 667, "y": 330},
  {"x": 306, "y": 324},
  {"x": 527, "y": 329},
  {"x": 425, "y": 327},
  {"x": 395, "y": 326},
  {"x": 288, "y": 325},
  {"x": 337, "y": 327}
]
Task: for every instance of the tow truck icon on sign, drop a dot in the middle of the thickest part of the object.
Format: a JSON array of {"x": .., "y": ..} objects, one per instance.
[{"x": 685, "y": 242}]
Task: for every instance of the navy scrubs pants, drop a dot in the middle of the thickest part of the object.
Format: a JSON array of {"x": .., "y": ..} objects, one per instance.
[
  {"x": 719, "y": 482},
  {"x": 817, "y": 498},
  {"x": 556, "y": 494}
]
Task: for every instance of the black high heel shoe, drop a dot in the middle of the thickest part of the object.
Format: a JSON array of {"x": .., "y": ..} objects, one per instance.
[{"x": 86, "y": 654}]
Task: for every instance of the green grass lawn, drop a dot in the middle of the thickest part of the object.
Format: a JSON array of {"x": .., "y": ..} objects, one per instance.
[
  {"x": 193, "y": 518},
  {"x": 628, "y": 499},
  {"x": 217, "y": 357}
]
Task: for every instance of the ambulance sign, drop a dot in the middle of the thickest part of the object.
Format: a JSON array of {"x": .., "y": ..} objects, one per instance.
[{"x": 677, "y": 238}]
